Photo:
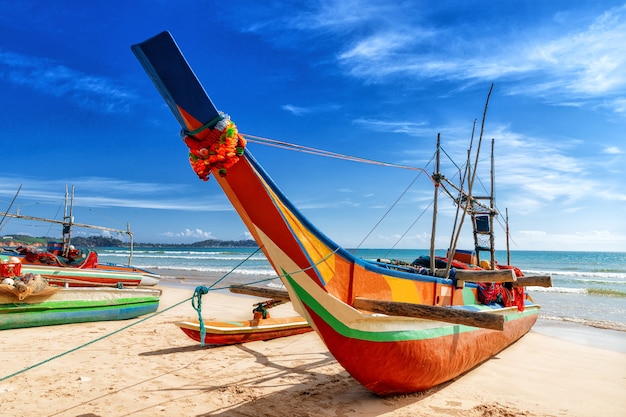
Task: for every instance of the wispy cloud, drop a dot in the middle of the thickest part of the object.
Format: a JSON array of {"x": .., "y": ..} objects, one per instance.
[
  {"x": 395, "y": 42},
  {"x": 301, "y": 111},
  {"x": 49, "y": 77},
  {"x": 192, "y": 233},
  {"x": 415, "y": 129},
  {"x": 613, "y": 150},
  {"x": 589, "y": 62},
  {"x": 93, "y": 192},
  {"x": 296, "y": 110},
  {"x": 543, "y": 173}
]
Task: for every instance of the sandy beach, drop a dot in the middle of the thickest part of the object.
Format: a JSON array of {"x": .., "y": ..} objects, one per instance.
[{"x": 148, "y": 367}]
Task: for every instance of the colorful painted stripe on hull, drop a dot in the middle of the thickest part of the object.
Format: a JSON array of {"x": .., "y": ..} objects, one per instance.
[
  {"x": 436, "y": 354},
  {"x": 17, "y": 320},
  {"x": 246, "y": 335}
]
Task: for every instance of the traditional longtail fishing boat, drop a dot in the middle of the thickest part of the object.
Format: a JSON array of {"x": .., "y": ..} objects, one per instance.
[
  {"x": 64, "y": 255},
  {"x": 77, "y": 277},
  {"x": 85, "y": 277},
  {"x": 394, "y": 328},
  {"x": 86, "y": 270}
]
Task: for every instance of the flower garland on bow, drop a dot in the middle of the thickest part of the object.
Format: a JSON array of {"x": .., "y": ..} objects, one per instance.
[{"x": 215, "y": 147}]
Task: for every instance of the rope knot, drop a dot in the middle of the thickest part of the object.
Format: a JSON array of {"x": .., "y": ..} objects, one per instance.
[{"x": 197, "y": 305}]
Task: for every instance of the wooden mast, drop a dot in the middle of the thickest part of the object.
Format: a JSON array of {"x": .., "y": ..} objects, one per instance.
[
  {"x": 68, "y": 219},
  {"x": 477, "y": 215},
  {"x": 437, "y": 180},
  {"x": 68, "y": 223},
  {"x": 508, "y": 251},
  {"x": 456, "y": 231},
  {"x": 492, "y": 206}
]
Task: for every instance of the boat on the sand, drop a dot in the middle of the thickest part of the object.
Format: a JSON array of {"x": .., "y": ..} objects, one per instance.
[
  {"x": 243, "y": 331},
  {"x": 84, "y": 277},
  {"x": 64, "y": 255},
  {"x": 261, "y": 327},
  {"x": 51, "y": 305},
  {"x": 394, "y": 328}
]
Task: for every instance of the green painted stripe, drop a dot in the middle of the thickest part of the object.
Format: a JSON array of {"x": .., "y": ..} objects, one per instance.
[
  {"x": 73, "y": 304},
  {"x": 22, "y": 319},
  {"x": 387, "y": 336}
]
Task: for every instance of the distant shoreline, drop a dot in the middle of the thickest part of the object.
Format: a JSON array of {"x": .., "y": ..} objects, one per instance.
[{"x": 95, "y": 242}]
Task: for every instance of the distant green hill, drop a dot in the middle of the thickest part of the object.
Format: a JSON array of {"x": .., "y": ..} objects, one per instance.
[{"x": 101, "y": 242}]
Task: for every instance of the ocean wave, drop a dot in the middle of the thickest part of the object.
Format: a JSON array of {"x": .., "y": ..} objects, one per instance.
[
  {"x": 596, "y": 281},
  {"x": 591, "y": 291},
  {"x": 557, "y": 290},
  {"x": 606, "y": 292},
  {"x": 213, "y": 270},
  {"x": 600, "y": 324},
  {"x": 612, "y": 275}
]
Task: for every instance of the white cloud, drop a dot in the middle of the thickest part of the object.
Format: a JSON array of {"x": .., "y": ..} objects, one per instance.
[
  {"x": 49, "y": 77},
  {"x": 613, "y": 150},
  {"x": 99, "y": 192},
  {"x": 599, "y": 240},
  {"x": 586, "y": 63},
  {"x": 187, "y": 233},
  {"x": 296, "y": 110},
  {"x": 410, "y": 128},
  {"x": 300, "y": 110}
]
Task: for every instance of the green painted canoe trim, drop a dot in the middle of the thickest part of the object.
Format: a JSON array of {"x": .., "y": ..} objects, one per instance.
[
  {"x": 73, "y": 304},
  {"x": 22, "y": 319},
  {"x": 390, "y": 336}
]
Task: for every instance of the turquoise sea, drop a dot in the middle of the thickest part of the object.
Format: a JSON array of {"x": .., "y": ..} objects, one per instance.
[{"x": 589, "y": 288}]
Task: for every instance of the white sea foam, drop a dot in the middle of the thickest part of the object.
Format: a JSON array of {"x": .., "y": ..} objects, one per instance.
[
  {"x": 601, "y": 324},
  {"x": 614, "y": 276},
  {"x": 558, "y": 290},
  {"x": 212, "y": 270}
]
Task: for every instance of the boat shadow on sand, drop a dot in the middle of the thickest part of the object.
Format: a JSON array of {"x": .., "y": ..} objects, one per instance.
[
  {"x": 273, "y": 382},
  {"x": 310, "y": 385},
  {"x": 322, "y": 386}
]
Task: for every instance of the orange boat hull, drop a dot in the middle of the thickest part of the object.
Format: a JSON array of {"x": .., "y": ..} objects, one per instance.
[{"x": 235, "y": 332}]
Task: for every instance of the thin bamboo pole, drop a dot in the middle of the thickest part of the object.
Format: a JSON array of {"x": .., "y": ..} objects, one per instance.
[{"x": 437, "y": 180}]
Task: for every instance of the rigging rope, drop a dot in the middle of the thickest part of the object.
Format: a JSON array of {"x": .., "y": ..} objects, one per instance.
[
  {"x": 93, "y": 341},
  {"x": 197, "y": 294},
  {"x": 2, "y": 224},
  {"x": 321, "y": 152}
]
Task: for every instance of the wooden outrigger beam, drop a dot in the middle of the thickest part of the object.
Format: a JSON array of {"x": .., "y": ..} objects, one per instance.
[
  {"x": 264, "y": 292},
  {"x": 484, "y": 320},
  {"x": 486, "y": 275},
  {"x": 534, "y": 281},
  {"x": 394, "y": 308},
  {"x": 501, "y": 275}
]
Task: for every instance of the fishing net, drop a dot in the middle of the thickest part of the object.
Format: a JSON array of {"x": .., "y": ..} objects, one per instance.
[{"x": 28, "y": 287}]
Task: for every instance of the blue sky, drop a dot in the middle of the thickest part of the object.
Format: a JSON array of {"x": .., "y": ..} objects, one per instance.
[{"x": 362, "y": 78}]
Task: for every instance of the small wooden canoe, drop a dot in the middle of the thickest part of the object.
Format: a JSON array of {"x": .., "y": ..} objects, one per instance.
[
  {"x": 102, "y": 274},
  {"x": 95, "y": 277},
  {"x": 75, "y": 305},
  {"x": 234, "y": 332}
]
